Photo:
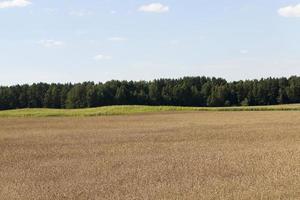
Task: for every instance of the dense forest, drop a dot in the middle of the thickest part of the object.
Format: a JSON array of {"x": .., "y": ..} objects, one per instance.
[{"x": 188, "y": 91}]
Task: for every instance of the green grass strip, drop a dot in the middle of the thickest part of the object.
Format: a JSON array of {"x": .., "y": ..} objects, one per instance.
[{"x": 127, "y": 110}]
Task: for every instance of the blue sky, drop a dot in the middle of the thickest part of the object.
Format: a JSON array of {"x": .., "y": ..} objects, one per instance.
[{"x": 100, "y": 40}]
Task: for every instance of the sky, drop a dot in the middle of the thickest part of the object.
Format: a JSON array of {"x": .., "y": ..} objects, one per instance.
[{"x": 100, "y": 40}]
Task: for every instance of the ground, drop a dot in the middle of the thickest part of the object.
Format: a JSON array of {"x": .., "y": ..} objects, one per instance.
[{"x": 170, "y": 155}]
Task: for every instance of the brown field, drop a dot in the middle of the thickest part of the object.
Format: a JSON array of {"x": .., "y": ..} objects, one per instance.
[{"x": 192, "y": 155}]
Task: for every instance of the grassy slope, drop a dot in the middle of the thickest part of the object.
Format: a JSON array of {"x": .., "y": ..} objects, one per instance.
[{"x": 123, "y": 110}]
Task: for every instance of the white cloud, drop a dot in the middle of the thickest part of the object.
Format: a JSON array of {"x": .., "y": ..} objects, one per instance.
[
  {"x": 290, "y": 11},
  {"x": 51, "y": 43},
  {"x": 154, "y": 7},
  {"x": 14, "y": 3},
  {"x": 81, "y": 13},
  {"x": 102, "y": 57},
  {"x": 117, "y": 39}
]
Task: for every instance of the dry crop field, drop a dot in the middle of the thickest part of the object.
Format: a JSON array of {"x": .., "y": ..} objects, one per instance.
[{"x": 173, "y": 155}]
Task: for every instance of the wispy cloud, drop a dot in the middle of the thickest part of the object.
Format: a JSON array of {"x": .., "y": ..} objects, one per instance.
[
  {"x": 174, "y": 42},
  {"x": 290, "y": 11},
  {"x": 51, "y": 43},
  {"x": 154, "y": 7},
  {"x": 80, "y": 13},
  {"x": 117, "y": 39},
  {"x": 51, "y": 10},
  {"x": 244, "y": 51},
  {"x": 14, "y": 3},
  {"x": 100, "y": 57},
  {"x": 113, "y": 12}
]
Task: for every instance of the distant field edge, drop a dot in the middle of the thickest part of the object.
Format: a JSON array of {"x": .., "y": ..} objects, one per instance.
[{"x": 127, "y": 110}]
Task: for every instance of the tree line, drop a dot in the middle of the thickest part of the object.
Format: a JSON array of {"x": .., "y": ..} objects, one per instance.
[{"x": 188, "y": 91}]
